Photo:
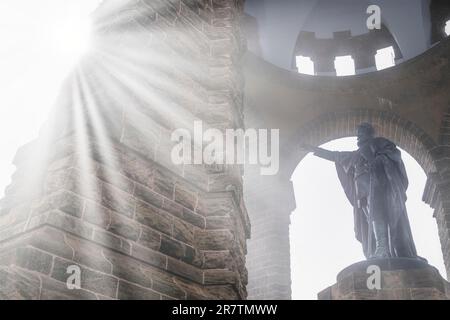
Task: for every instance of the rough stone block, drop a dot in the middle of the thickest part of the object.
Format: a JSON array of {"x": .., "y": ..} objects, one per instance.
[
  {"x": 129, "y": 291},
  {"x": 56, "y": 290},
  {"x": 215, "y": 207},
  {"x": 145, "y": 194},
  {"x": 163, "y": 184},
  {"x": 172, "y": 247},
  {"x": 117, "y": 200},
  {"x": 64, "y": 201},
  {"x": 89, "y": 254},
  {"x": 130, "y": 270},
  {"x": 219, "y": 277},
  {"x": 150, "y": 238},
  {"x": 14, "y": 217},
  {"x": 18, "y": 285},
  {"x": 51, "y": 240},
  {"x": 217, "y": 259},
  {"x": 185, "y": 197},
  {"x": 28, "y": 258},
  {"x": 136, "y": 169},
  {"x": 185, "y": 270},
  {"x": 214, "y": 239},
  {"x": 154, "y": 218},
  {"x": 183, "y": 231},
  {"x": 173, "y": 208},
  {"x": 91, "y": 280},
  {"x": 70, "y": 224},
  {"x": 97, "y": 214},
  {"x": 151, "y": 257},
  {"x": 139, "y": 140},
  {"x": 194, "y": 219},
  {"x": 124, "y": 227},
  {"x": 111, "y": 241},
  {"x": 116, "y": 179}
]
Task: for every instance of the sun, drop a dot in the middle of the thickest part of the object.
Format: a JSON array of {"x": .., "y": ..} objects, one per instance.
[
  {"x": 71, "y": 32},
  {"x": 72, "y": 37}
]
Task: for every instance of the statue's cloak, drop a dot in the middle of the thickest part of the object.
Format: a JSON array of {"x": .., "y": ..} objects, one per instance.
[{"x": 393, "y": 197}]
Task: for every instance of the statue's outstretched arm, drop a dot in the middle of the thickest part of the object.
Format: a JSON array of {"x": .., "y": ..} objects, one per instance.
[
  {"x": 321, "y": 153},
  {"x": 325, "y": 154}
]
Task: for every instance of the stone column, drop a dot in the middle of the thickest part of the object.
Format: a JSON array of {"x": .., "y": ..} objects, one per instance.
[
  {"x": 436, "y": 196},
  {"x": 98, "y": 190},
  {"x": 270, "y": 202}
]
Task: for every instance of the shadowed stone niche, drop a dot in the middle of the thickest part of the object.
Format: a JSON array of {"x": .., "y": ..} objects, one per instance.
[
  {"x": 98, "y": 192},
  {"x": 440, "y": 14}
]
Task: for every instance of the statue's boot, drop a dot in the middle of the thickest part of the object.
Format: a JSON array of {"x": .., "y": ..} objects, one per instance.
[{"x": 381, "y": 240}]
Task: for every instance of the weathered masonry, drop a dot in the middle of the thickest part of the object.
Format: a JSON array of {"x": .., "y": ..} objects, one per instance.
[{"x": 100, "y": 191}]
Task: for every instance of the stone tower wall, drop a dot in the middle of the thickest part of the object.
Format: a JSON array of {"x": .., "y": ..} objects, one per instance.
[{"x": 98, "y": 190}]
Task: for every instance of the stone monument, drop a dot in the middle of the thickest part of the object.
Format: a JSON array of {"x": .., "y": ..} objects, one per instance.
[{"x": 375, "y": 182}]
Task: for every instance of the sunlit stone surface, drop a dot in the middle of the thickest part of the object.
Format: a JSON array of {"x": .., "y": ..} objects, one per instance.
[{"x": 98, "y": 188}]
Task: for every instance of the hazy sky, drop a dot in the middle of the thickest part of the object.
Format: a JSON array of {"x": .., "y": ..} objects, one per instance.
[
  {"x": 322, "y": 237},
  {"x": 40, "y": 42}
]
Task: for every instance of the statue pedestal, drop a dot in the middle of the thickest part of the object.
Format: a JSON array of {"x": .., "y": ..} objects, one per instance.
[{"x": 388, "y": 279}]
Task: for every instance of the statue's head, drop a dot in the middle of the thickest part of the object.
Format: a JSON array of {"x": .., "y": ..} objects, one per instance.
[{"x": 365, "y": 132}]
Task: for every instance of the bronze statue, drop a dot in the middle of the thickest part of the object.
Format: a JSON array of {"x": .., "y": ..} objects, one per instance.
[{"x": 375, "y": 182}]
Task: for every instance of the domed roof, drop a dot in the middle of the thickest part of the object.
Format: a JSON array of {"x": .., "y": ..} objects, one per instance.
[{"x": 278, "y": 24}]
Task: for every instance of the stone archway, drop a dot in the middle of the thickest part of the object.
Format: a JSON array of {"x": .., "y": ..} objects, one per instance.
[
  {"x": 329, "y": 127},
  {"x": 404, "y": 133},
  {"x": 324, "y": 129},
  {"x": 398, "y": 101}
]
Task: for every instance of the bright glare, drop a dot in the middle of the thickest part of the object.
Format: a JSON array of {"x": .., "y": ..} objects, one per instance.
[
  {"x": 385, "y": 58},
  {"x": 345, "y": 66},
  {"x": 41, "y": 41},
  {"x": 447, "y": 28},
  {"x": 305, "y": 65},
  {"x": 71, "y": 38},
  {"x": 321, "y": 233}
]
